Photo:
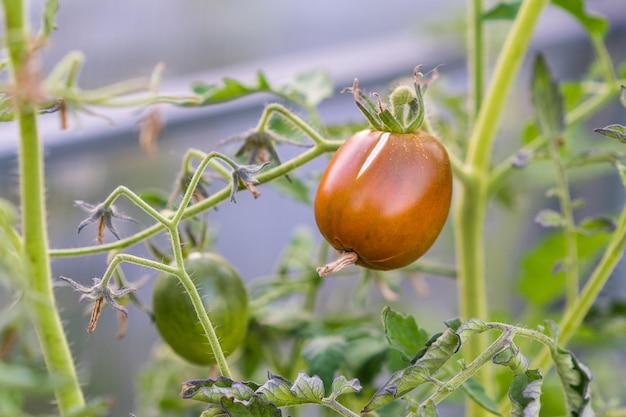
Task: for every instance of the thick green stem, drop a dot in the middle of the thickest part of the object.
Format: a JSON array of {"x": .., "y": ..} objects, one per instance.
[
  {"x": 505, "y": 72},
  {"x": 475, "y": 56},
  {"x": 46, "y": 319},
  {"x": 470, "y": 208}
]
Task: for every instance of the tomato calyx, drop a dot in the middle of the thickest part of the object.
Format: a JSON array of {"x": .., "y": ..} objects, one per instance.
[{"x": 405, "y": 113}]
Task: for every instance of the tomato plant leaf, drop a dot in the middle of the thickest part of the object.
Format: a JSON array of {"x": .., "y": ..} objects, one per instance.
[
  {"x": 307, "y": 387},
  {"x": 229, "y": 89},
  {"x": 342, "y": 386},
  {"x": 593, "y": 24},
  {"x": 549, "y": 218},
  {"x": 538, "y": 283},
  {"x": 311, "y": 87},
  {"x": 622, "y": 96},
  {"x": 402, "y": 333},
  {"x": 295, "y": 188},
  {"x": 575, "y": 379},
  {"x": 212, "y": 390},
  {"x": 255, "y": 407},
  {"x": 525, "y": 393},
  {"x": 547, "y": 100},
  {"x": 405, "y": 380},
  {"x": 512, "y": 358},
  {"x": 477, "y": 393},
  {"x": 614, "y": 131},
  {"x": 324, "y": 355},
  {"x": 502, "y": 11},
  {"x": 597, "y": 224}
]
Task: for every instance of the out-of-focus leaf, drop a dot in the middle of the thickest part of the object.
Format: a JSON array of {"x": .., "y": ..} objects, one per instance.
[
  {"x": 229, "y": 89},
  {"x": 502, "y": 11},
  {"x": 156, "y": 198},
  {"x": 324, "y": 355},
  {"x": 525, "y": 393},
  {"x": 622, "y": 96},
  {"x": 48, "y": 17},
  {"x": 549, "y": 218},
  {"x": 311, "y": 87},
  {"x": 613, "y": 131},
  {"x": 593, "y": 24},
  {"x": 537, "y": 282},
  {"x": 427, "y": 409},
  {"x": 530, "y": 132},
  {"x": 573, "y": 93},
  {"x": 295, "y": 188},
  {"x": 621, "y": 169},
  {"x": 597, "y": 224},
  {"x": 402, "y": 333},
  {"x": 477, "y": 393},
  {"x": 548, "y": 101}
]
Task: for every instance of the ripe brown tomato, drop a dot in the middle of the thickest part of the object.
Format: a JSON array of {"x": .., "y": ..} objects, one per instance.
[{"x": 385, "y": 196}]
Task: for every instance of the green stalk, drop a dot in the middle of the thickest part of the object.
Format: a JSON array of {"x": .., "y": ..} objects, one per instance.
[
  {"x": 475, "y": 56},
  {"x": 470, "y": 208},
  {"x": 46, "y": 319}
]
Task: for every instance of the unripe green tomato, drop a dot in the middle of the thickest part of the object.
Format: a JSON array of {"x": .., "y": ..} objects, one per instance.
[{"x": 224, "y": 297}]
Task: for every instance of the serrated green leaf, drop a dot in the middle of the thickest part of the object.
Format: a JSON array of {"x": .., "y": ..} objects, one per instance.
[
  {"x": 402, "y": 333},
  {"x": 324, "y": 355},
  {"x": 593, "y": 24},
  {"x": 613, "y": 131},
  {"x": 212, "y": 390},
  {"x": 307, "y": 387},
  {"x": 280, "y": 392},
  {"x": 255, "y": 407},
  {"x": 277, "y": 390},
  {"x": 502, "y": 11},
  {"x": 342, "y": 386},
  {"x": 549, "y": 218},
  {"x": 525, "y": 393},
  {"x": 229, "y": 89},
  {"x": 477, "y": 393},
  {"x": 405, "y": 380},
  {"x": 576, "y": 380},
  {"x": 547, "y": 100},
  {"x": 537, "y": 282}
]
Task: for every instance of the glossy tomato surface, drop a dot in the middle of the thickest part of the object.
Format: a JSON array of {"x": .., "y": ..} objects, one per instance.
[
  {"x": 385, "y": 196},
  {"x": 225, "y": 299}
]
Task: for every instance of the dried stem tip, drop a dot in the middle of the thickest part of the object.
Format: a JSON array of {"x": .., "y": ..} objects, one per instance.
[{"x": 345, "y": 259}]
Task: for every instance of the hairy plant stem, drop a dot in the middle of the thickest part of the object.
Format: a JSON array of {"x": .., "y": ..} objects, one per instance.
[
  {"x": 470, "y": 206},
  {"x": 40, "y": 299}
]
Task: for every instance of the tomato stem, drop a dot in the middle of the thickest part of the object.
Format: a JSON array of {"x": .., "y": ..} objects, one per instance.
[{"x": 345, "y": 259}]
